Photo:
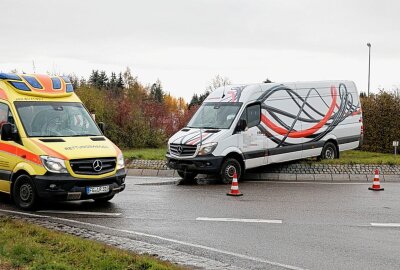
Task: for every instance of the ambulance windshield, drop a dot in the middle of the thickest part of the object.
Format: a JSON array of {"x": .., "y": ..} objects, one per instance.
[
  {"x": 218, "y": 115},
  {"x": 56, "y": 119}
]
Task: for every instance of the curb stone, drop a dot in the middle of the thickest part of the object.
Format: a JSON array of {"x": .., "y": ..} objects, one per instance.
[{"x": 285, "y": 171}]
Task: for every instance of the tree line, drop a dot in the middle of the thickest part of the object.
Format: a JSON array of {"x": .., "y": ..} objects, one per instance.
[{"x": 135, "y": 115}]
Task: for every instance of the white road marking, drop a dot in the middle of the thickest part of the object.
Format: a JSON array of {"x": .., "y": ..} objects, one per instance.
[
  {"x": 393, "y": 225},
  {"x": 246, "y": 257},
  {"x": 79, "y": 213},
  {"x": 309, "y": 182},
  {"x": 245, "y": 220}
]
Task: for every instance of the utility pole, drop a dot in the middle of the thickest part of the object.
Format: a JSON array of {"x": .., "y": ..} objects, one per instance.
[{"x": 369, "y": 65}]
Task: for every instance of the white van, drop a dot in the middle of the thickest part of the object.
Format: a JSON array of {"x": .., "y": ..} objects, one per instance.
[{"x": 239, "y": 127}]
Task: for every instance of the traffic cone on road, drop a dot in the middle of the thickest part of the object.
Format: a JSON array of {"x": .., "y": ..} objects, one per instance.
[
  {"x": 376, "y": 185},
  {"x": 235, "y": 187}
]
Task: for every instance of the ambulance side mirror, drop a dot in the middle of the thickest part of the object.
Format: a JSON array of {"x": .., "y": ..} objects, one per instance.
[
  {"x": 102, "y": 126},
  {"x": 241, "y": 126},
  {"x": 7, "y": 132}
]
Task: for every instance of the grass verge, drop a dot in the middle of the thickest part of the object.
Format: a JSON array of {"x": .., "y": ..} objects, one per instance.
[
  {"x": 360, "y": 157},
  {"x": 145, "y": 153},
  {"x": 28, "y": 246}
]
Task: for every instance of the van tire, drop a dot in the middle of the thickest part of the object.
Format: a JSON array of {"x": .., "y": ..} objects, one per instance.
[
  {"x": 24, "y": 193},
  {"x": 187, "y": 178},
  {"x": 329, "y": 151},
  {"x": 227, "y": 169},
  {"x": 103, "y": 199}
]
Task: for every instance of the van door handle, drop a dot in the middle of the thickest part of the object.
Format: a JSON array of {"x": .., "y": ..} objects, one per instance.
[{"x": 23, "y": 156}]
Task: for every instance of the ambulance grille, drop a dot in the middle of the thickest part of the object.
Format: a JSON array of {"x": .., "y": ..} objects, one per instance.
[
  {"x": 90, "y": 166},
  {"x": 182, "y": 150}
]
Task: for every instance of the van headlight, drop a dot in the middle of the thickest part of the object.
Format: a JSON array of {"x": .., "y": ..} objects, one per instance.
[
  {"x": 207, "y": 148},
  {"x": 53, "y": 164},
  {"x": 120, "y": 162}
]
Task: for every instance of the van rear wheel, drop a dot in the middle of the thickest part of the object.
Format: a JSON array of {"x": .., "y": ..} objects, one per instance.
[
  {"x": 24, "y": 193},
  {"x": 186, "y": 177},
  {"x": 229, "y": 167},
  {"x": 329, "y": 151}
]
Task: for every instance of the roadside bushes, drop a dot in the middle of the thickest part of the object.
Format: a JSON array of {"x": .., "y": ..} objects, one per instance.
[
  {"x": 381, "y": 113},
  {"x": 133, "y": 117}
]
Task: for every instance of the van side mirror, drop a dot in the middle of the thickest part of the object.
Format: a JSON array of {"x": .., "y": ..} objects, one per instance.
[
  {"x": 8, "y": 132},
  {"x": 102, "y": 126},
  {"x": 241, "y": 126}
]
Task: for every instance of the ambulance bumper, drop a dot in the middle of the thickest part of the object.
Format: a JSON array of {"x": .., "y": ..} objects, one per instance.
[{"x": 66, "y": 187}]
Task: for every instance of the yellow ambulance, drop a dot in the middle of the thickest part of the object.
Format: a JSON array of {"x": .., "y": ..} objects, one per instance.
[{"x": 50, "y": 146}]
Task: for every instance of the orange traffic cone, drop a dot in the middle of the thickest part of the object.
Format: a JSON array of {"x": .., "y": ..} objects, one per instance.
[
  {"x": 235, "y": 187},
  {"x": 376, "y": 185}
]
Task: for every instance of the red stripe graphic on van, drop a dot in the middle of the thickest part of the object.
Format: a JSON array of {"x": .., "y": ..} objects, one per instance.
[
  {"x": 306, "y": 132},
  {"x": 197, "y": 140},
  {"x": 20, "y": 152}
]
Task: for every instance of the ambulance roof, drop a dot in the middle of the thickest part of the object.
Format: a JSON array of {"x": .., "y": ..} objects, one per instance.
[{"x": 19, "y": 86}]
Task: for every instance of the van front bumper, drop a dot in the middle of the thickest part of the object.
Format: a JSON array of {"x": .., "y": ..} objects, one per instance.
[
  {"x": 207, "y": 164},
  {"x": 65, "y": 187}
]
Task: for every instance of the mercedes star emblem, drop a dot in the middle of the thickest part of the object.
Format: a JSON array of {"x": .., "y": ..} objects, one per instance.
[
  {"x": 180, "y": 150},
  {"x": 97, "y": 165}
]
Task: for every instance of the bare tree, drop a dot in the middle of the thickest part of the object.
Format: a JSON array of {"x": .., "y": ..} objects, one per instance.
[{"x": 218, "y": 81}]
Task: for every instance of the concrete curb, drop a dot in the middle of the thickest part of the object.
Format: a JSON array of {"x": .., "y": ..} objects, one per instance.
[{"x": 300, "y": 177}]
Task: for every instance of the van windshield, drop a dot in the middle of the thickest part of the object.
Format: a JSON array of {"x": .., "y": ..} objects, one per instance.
[
  {"x": 56, "y": 119},
  {"x": 219, "y": 115}
]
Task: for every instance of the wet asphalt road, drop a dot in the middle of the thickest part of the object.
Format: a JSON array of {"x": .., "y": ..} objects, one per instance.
[{"x": 304, "y": 225}]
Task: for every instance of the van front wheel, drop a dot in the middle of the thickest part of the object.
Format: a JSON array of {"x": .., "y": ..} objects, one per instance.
[
  {"x": 229, "y": 167},
  {"x": 24, "y": 194},
  {"x": 329, "y": 151}
]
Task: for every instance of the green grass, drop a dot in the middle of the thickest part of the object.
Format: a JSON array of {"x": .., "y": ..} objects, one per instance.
[
  {"x": 145, "y": 153},
  {"x": 27, "y": 246},
  {"x": 361, "y": 157}
]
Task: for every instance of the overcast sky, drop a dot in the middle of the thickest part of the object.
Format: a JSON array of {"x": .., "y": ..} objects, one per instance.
[{"x": 186, "y": 43}]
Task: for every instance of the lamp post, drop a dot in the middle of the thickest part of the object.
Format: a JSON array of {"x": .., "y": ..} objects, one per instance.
[{"x": 369, "y": 65}]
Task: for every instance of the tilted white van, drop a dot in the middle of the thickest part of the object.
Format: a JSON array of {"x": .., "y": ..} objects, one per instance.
[{"x": 239, "y": 127}]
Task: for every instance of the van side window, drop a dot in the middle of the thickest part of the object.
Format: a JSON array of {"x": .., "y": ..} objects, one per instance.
[{"x": 253, "y": 115}]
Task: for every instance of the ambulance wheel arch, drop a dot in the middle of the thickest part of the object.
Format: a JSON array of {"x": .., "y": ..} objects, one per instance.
[
  {"x": 23, "y": 190},
  {"x": 231, "y": 163}
]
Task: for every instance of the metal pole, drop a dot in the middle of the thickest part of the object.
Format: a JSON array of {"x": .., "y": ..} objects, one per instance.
[{"x": 369, "y": 64}]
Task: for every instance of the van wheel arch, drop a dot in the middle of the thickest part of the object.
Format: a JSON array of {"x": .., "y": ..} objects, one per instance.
[
  {"x": 233, "y": 158},
  {"x": 328, "y": 144}
]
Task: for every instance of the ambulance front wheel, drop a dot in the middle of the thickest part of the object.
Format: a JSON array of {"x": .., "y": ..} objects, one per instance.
[
  {"x": 229, "y": 167},
  {"x": 24, "y": 193}
]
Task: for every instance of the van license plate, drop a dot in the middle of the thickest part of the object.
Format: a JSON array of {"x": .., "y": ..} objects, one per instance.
[{"x": 97, "y": 190}]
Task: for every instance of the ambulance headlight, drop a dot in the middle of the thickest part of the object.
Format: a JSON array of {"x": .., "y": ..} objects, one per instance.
[
  {"x": 120, "y": 162},
  {"x": 54, "y": 165},
  {"x": 207, "y": 148}
]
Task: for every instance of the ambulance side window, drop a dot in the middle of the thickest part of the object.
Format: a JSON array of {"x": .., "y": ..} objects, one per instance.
[{"x": 5, "y": 115}]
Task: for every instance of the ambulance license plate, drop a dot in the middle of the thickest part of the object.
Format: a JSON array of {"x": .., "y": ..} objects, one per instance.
[{"x": 97, "y": 190}]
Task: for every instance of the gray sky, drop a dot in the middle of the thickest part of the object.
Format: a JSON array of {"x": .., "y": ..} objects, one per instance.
[{"x": 186, "y": 43}]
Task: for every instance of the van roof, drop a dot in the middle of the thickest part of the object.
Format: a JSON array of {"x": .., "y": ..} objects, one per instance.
[{"x": 45, "y": 86}]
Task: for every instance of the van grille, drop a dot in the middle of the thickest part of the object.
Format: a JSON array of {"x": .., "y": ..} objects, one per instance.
[
  {"x": 88, "y": 166},
  {"x": 182, "y": 150}
]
